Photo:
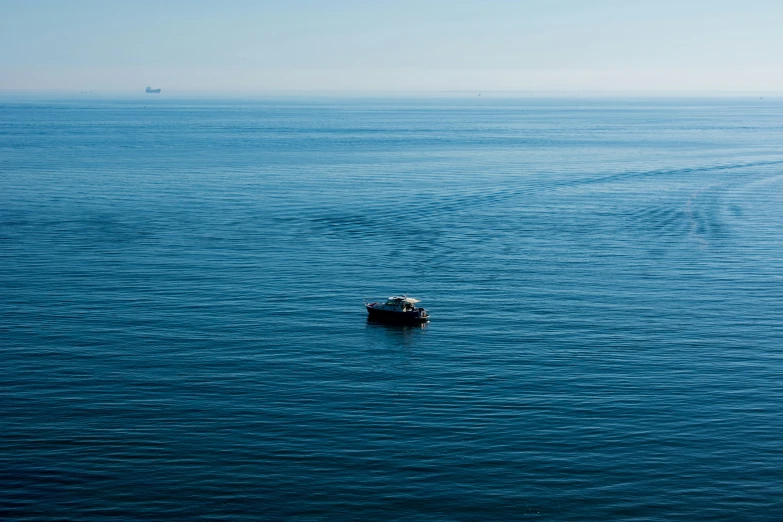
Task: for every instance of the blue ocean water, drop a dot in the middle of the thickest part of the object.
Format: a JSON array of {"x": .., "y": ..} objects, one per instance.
[{"x": 183, "y": 336}]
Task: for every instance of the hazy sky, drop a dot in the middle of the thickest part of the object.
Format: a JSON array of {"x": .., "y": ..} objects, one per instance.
[{"x": 400, "y": 45}]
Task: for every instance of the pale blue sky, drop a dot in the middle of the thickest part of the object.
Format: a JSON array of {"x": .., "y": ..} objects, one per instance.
[{"x": 237, "y": 45}]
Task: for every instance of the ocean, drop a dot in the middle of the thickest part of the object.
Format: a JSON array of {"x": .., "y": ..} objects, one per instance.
[{"x": 183, "y": 336}]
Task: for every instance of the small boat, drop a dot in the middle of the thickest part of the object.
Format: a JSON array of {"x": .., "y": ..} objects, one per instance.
[
  {"x": 397, "y": 309},
  {"x": 150, "y": 90}
]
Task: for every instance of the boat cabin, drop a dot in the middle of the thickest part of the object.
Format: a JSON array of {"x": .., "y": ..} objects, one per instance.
[
  {"x": 397, "y": 308},
  {"x": 403, "y": 303}
]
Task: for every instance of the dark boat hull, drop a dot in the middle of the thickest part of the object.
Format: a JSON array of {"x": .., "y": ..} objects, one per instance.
[{"x": 414, "y": 316}]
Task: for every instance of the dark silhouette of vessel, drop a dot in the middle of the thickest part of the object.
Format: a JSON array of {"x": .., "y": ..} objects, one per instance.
[
  {"x": 397, "y": 309},
  {"x": 150, "y": 90}
]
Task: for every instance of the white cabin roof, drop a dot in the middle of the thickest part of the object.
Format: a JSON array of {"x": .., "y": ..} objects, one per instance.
[{"x": 404, "y": 298}]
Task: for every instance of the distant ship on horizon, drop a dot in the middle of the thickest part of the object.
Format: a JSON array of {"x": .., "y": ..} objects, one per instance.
[{"x": 150, "y": 90}]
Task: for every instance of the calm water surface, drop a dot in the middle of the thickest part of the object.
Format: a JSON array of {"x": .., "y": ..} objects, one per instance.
[{"x": 183, "y": 337}]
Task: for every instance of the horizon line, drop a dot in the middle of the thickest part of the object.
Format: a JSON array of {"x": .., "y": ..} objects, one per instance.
[{"x": 405, "y": 92}]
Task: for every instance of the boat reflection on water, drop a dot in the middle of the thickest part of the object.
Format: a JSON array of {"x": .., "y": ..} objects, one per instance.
[{"x": 395, "y": 335}]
